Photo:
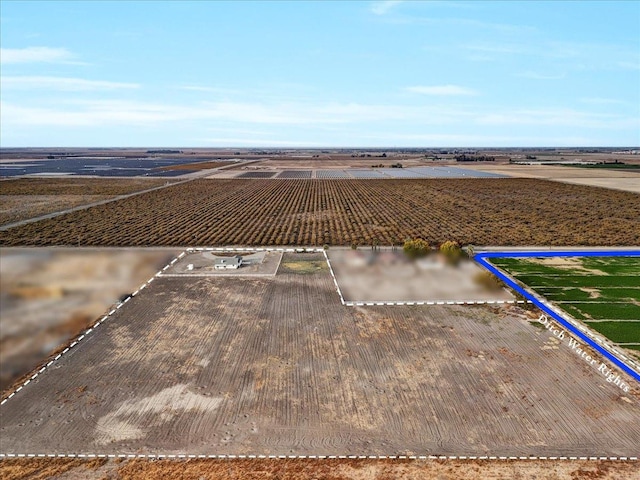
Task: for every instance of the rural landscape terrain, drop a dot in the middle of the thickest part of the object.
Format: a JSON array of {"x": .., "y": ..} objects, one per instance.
[{"x": 299, "y": 363}]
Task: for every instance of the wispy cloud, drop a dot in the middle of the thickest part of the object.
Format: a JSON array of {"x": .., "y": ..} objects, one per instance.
[
  {"x": 253, "y": 119},
  {"x": 601, "y": 101},
  {"x": 442, "y": 90},
  {"x": 383, "y": 7},
  {"x": 243, "y": 141},
  {"x": 559, "y": 117},
  {"x": 626, "y": 65},
  {"x": 501, "y": 48},
  {"x": 61, "y": 83},
  {"x": 574, "y": 55},
  {"x": 35, "y": 55},
  {"x": 120, "y": 112},
  {"x": 540, "y": 76}
]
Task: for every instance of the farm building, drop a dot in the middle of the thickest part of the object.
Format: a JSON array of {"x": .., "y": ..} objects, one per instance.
[{"x": 226, "y": 263}]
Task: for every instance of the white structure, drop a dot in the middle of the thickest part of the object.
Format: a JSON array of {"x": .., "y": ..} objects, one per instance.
[{"x": 228, "y": 263}]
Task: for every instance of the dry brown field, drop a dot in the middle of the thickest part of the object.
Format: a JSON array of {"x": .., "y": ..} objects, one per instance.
[
  {"x": 278, "y": 366},
  {"x": 626, "y": 180},
  {"x": 331, "y": 161},
  {"x": 78, "y": 186},
  {"x": 14, "y": 208},
  {"x": 301, "y": 469},
  {"x": 502, "y": 211},
  {"x": 197, "y": 166},
  {"x": 49, "y": 296},
  {"x": 22, "y": 199}
]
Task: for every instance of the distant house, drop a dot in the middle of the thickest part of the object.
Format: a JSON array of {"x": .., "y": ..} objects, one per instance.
[{"x": 228, "y": 262}]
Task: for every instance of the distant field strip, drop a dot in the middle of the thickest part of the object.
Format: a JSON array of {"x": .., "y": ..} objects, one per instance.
[{"x": 600, "y": 289}]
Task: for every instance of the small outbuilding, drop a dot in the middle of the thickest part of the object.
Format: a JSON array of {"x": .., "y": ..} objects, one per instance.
[{"x": 228, "y": 263}]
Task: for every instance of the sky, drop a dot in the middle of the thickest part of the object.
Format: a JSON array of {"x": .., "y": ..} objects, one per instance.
[{"x": 319, "y": 74}]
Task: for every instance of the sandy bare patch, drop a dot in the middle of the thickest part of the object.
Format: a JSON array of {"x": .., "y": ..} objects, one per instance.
[
  {"x": 573, "y": 263},
  {"x": 291, "y": 371},
  {"x": 628, "y": 181},
  {"x": 593, "y": 292},
  {"x": 164, "y": 406}
]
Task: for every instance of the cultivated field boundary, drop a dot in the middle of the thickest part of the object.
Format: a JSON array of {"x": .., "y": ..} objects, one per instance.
[
  {"x": 183, "y": 456},
  {"x": 599, "y": 344},
  {"x": 161, "y": 273},
  {"x": 86, "y": 206},
  {"x": 344, "y": 302},
  {"x": 78, "y": 339},
  {"x": 349, "y": 303}
]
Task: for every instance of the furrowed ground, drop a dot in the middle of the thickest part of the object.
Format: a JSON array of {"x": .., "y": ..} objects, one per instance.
[
  {"x": 276, "y": 365},
  {"x": 341, "y": 212}
]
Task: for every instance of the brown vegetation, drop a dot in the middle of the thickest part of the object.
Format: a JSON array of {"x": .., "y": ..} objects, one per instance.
[
  {"x": 14, "y": 208},
  {"x": 307, "y": 469},
  {"x": 196, "y": 166},
  {"x": 488, "y": 280},
  {"x": 27, "y": 198},
  {"x": 341, "y": 212},
  {"x": 77, "y": 186}
]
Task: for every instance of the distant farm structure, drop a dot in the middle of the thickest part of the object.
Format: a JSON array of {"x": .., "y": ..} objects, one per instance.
[{"x": 228, "y": 263}]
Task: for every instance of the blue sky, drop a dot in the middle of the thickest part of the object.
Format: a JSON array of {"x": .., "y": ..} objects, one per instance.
[{"x": 320, "y": 74}]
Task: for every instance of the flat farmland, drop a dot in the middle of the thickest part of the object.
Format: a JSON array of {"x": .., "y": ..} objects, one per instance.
[
  {"x": 28, "y": 198},
  {"x": 277, "y": 366},
  {"x": 618, "y": 179},
  {"x": 501, "y": 211},
  {"x": 47, "y": 296},
  {"x": 602, "y": 292},
  {"x": 197, "y": 166},
  {"x": 303, "y": 469}
]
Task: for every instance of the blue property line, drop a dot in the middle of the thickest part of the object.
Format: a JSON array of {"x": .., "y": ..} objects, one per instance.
[{"x": 481, "y": 259}]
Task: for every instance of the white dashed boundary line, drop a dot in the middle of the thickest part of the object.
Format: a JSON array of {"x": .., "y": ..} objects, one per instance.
[
  {"x": 255, "y": 249},
  {"x": 310, "y": 457},
  {"x": 281, "y": 457},
  {"x": 399, "y": 303},
  {"x": 440, "y": 302},
  {"x": 326, "y": 257},
  {"x": 89, "y": 330}
]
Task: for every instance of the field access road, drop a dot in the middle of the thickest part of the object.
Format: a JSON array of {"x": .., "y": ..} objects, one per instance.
[{"x": 186, "y": 179}]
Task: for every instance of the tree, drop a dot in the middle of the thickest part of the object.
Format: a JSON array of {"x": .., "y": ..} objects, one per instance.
[
  {"x": 416, "y": 248},
  {"x": 452, "y": 251},
  {"x": 470, "y": 251}
]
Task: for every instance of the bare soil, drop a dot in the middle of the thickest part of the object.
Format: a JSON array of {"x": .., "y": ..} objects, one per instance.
[
  {"x": 49, "y": 296},
  {"x": 300, "y": 469},
  {"x": 77, "y": 186},
  {"x": 203, "y": 263},
  {"x": 276, "y": 365},
  {"x": 626, "y": 180},
  {"x": 197, "y": 166}
]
